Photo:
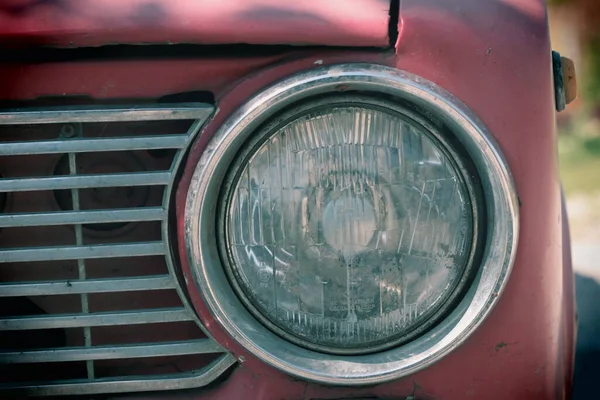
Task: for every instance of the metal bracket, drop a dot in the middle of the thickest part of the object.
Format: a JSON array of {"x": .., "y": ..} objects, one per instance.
[{"x": 565, "y": 80}]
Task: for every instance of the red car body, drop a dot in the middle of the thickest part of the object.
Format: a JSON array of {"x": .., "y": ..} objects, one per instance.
[{"x": 495, "y": 56}]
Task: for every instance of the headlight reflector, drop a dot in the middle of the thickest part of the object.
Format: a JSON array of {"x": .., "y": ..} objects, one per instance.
[{"x": 348, "y": 226}]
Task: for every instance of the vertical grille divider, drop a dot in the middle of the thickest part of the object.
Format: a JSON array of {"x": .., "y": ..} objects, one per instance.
[{"x": 85, "y": 308}]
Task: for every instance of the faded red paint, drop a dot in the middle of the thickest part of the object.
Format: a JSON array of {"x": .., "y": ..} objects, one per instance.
[
  {"x": 494, "y": 55},
  {"x": 79, "y": 23},
  {"x": 125, "y": 79}
]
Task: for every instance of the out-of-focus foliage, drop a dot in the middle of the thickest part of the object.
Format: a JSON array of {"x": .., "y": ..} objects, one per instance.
[
  {"x": 590, "y": 9},
  {"x": 588, "y": 17},
  {"x": 591, "y": 91},
  {"x": 579, "y": 158},
  {"x": 579, "y": 131}
]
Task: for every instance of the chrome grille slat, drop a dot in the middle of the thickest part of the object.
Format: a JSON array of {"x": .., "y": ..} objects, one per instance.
[
  {"x": 78, "y": 252},
  {"x": 84, "y": 181},
  {"x": 95, "y": 319},
  {"x": 78, "y": 114},
  {"x": 81, "y": 264},
  {"x": 130, "y": 384},
  {"x": 88, "y": 145},
  {"x": 201, "y": 346},
  {"x": 82, "y": 217},
  {"x": 112, "y": 285}
]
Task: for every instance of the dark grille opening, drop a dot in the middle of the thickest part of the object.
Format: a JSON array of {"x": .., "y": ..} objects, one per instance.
[
  {"x": 154, "y": 365},
  {"x": 39, "y": 236},
  {"x": 140, "y": 300},
  {"x": 88, "y": 292},
  {"x": 126, "y": 267},
  {"x": 26, "y": 373},
  {"x": 149, "y": 333},
  {"x": 40, "y": 271}
]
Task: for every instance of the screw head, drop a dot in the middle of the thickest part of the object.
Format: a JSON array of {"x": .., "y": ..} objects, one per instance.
[{"x": 68, "y": 131}]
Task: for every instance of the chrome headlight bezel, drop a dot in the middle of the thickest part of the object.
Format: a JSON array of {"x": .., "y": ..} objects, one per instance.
[
  {"x": 501, "y": 213},
  {"x": 460, "y": 164}
]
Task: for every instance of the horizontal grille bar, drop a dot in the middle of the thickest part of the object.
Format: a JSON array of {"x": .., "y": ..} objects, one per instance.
[
  {"x": 188, "y": 380},
  {"x": 159, "y": 282},
  {"x": 76, "y": 114},
  {"x": 95, "y": 319},
  {"x": 82, "y": 252},
  {"x": 85, "y": 181},
  {"x": 202, "y": 346},
  {"x": 82, "y": 217},
  {"x": 93, "y": 145}
]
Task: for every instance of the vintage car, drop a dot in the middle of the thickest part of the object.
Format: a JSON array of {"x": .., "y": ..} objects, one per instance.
[{"x": 261, "y": 199}]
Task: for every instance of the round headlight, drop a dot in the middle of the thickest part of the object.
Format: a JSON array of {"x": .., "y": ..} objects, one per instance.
[
  {"x": 348, "y": 225},
  {"x": 351, "y": 238}
]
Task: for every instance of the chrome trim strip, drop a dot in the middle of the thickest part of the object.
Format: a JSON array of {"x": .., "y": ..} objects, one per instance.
[
  {"x": 95, "y": 319},
  {"x": 150, "y": 112},
  {"x": 169, "y": 231},
  {"x": 85, "y": 181},
  {"x": 82, "y": 252},
  {"x": 190, "y": 380},
  {"x": 113, "y": 285},
  {"x": 77, "y": 145},
  {"x": 500, "y": 247},
  {"x": 140, "y": 350},
  {"x": 82, "y": 217}
]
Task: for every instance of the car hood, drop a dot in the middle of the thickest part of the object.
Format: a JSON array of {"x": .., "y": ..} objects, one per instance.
[{"x": 85, "y": 23}]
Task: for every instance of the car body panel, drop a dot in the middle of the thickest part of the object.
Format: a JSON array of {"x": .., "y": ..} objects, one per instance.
[
  {"x": 79, "y": 23},
  {"x": 495, "y": 57}
]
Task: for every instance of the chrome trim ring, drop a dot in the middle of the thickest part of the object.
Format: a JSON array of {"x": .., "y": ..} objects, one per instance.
[{"x": 501, "y": 233}]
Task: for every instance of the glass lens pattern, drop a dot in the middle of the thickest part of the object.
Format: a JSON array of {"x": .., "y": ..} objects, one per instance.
[{"x": 348, "y": 228}]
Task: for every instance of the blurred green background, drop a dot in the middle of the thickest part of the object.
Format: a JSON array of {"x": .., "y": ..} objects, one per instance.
[{"x": 575, "y": 32}]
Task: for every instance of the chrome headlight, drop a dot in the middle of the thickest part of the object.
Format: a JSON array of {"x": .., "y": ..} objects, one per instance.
[
  {"x": 348, "y": 225},
  {"x": 378, "y": 224}
]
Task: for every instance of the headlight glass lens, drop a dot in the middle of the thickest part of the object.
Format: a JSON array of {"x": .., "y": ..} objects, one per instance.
[{"x": 347, "y": 227}]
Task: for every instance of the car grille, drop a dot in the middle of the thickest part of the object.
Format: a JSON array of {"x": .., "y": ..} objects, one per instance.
[{"x": 90, "y": 299}]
